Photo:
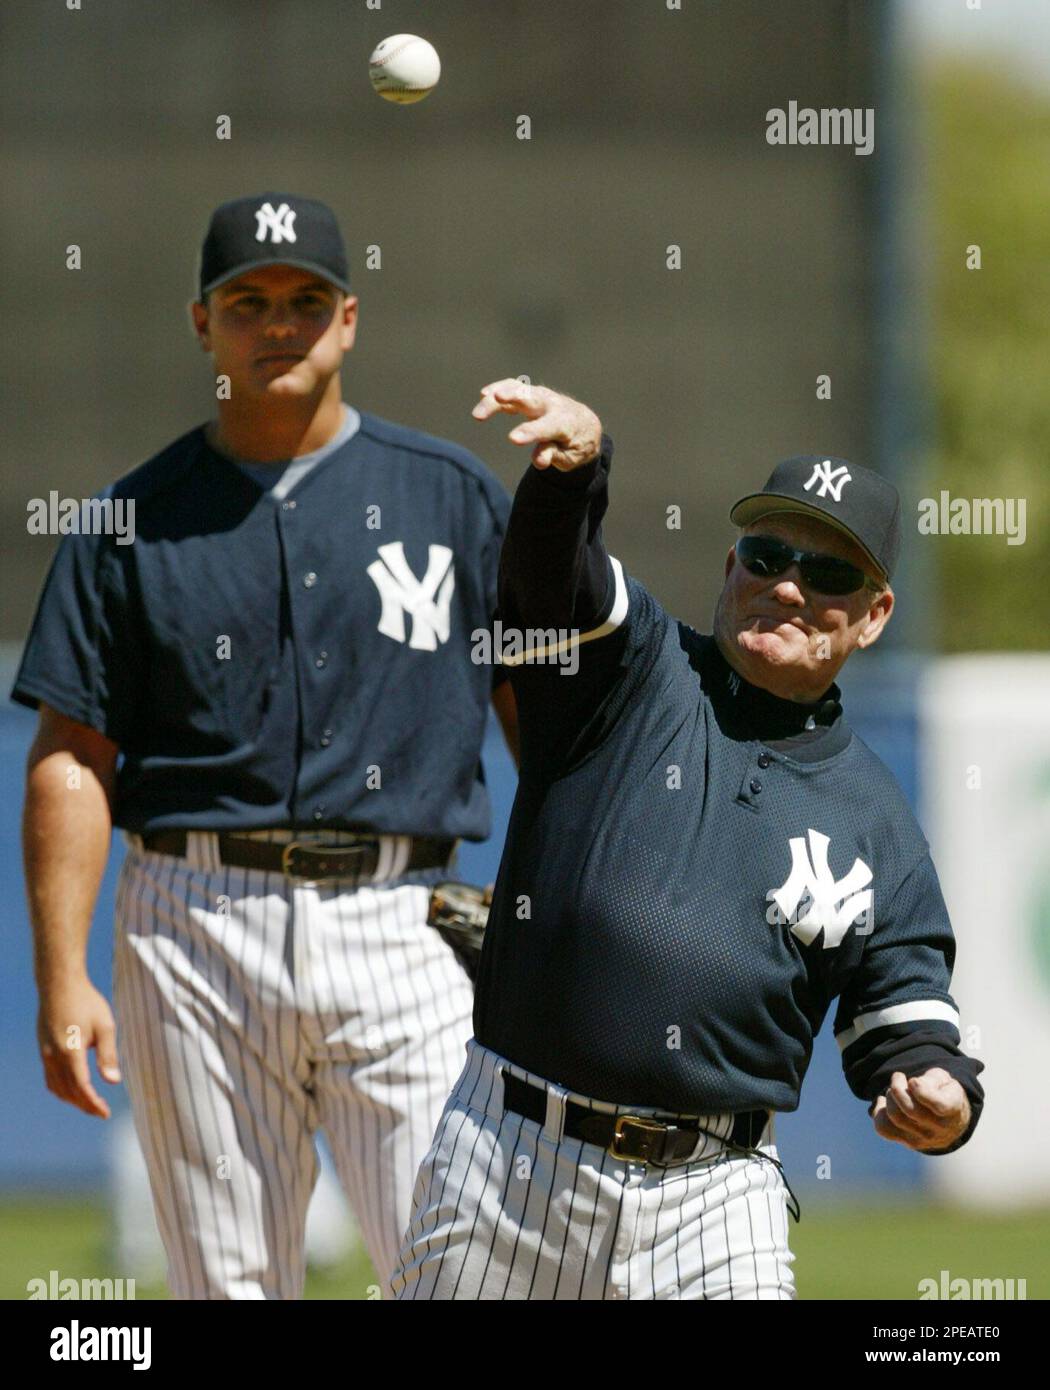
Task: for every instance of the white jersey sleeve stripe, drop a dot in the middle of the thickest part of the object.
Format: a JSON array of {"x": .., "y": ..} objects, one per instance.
[
  {"x": 912, "y": 1012},
  {"x": 544, "y": 650}
]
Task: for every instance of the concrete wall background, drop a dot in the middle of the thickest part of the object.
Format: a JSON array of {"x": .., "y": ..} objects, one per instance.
[{"x": 500, "y": 256}]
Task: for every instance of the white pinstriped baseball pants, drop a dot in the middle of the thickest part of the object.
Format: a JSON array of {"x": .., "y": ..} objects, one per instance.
[
  {"x": 506, "y": 1208},
  {"x": 245, "y": 1025}
]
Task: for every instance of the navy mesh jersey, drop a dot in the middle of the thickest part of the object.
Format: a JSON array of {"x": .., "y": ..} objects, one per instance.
[
  {"x": 696, "y": 872},
  {"x": 266, "y": 660}
]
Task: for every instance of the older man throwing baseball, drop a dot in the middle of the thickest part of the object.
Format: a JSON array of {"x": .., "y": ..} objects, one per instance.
[{"x": 701, "y": 860}]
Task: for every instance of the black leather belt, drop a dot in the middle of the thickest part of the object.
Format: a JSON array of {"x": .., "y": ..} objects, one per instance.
[
  {"x": 638, "y": 1138},
  {"x": 299, "y": 859}
]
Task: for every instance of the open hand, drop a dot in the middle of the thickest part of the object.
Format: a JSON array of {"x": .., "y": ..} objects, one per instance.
[
  {"x": 73, "y": 1019},
  {"x": 566, "y": 433}
]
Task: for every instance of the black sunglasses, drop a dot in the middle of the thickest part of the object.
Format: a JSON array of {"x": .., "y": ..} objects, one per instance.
[{"x": 766, "y": 557}]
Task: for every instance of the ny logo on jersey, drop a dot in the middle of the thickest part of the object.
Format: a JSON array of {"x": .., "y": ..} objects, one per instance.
[
  {"x": 831, "y": 480},
  {"x": 279, "y": 224},
  {"x": 401, "y": 592},
  {"x": 829, "y": 904}
]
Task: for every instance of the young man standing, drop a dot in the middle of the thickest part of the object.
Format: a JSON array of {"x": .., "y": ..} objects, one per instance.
[{"x": 270, "y": 692}]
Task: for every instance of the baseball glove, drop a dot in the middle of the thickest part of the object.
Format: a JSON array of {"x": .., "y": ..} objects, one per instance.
[{"x": 460, "y": 912}]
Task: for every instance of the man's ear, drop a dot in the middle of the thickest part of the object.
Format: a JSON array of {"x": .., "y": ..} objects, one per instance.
[
  {"x": 730, "y": 561},
  {"x": 349, "y": 325},
  {"x": 198, "y": 316},
  {"x": 878, "y": 617}
]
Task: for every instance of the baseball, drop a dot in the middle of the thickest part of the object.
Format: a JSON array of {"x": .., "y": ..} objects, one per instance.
[{"x": 404, "y": 68}]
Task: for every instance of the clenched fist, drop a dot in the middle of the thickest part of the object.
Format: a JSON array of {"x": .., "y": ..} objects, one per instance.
[
  {"x": 929, "y": 1111},
  {"x": 566, "y": 433}
]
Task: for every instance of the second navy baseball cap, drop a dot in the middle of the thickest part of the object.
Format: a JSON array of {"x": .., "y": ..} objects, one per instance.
[
  {"x": 863, "y": 504},
  {"x": 272, "y": 229}
]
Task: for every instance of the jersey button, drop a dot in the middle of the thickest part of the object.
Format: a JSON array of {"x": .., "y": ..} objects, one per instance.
[
  {"x": 322, "y": 660},
  {"x": 318, "y": 813},
  {"x": 309, "y": 580},
  {"x": 287, "y": 506},
  {"x": 756, "y": 785},
  {"x": 326, "y": 738},
  {"x": 764, "y": 759}
]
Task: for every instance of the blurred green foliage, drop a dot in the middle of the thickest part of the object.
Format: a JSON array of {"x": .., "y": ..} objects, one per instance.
[{"x": 987, "y": 160}]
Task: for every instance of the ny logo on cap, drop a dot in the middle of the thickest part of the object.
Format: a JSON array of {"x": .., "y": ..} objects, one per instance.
[
  {"x": 279, "y": 223},
  {"x": 826, "y": 476}
]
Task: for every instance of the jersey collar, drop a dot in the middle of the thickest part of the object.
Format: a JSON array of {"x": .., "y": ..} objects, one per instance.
[{"x": 787, "y": 725}]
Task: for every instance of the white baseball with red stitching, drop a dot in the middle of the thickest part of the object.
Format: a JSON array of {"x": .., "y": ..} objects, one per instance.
[{"x": 404, "y": 68}]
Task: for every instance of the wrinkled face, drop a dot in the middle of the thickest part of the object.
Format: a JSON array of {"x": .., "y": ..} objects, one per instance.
[
  {"x": 277, "y": 331},
  {"x": 784, "y": 636}
]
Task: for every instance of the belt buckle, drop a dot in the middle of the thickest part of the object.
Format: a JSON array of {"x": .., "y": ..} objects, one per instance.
[
  {"x": 289, "y": 849},
  {"x": 641, "y": 1122}
]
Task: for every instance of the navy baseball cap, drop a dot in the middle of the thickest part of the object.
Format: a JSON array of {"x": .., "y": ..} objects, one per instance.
[
  {"x": 864, "y": 505},
  {"x": 272, "y": 229}
]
